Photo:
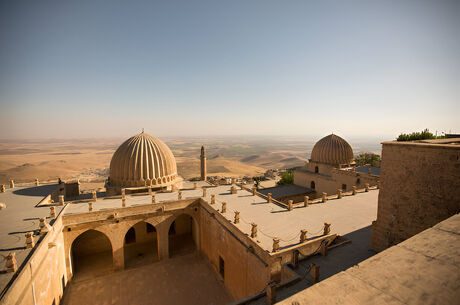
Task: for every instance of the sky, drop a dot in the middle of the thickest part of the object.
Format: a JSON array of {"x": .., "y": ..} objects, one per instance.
[{"x": 79, "y": 69}]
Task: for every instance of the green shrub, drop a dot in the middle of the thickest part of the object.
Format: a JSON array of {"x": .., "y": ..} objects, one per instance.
[
  {"x": 286, "y": 178},
  {"x": 423, "y": 135},
  {"x": 367, "y": 158}
]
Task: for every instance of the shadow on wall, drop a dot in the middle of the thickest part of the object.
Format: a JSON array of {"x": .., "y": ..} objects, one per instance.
[{"x": 39, "y": 191}]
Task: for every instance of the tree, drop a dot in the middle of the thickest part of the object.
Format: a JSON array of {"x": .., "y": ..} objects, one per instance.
[
  {"x": 286, "y": 178},
  {"x": 368, "y": 158},
  {"x": 423, "y": 135}
]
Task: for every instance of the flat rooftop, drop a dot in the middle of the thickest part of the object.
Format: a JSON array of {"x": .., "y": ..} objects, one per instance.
[
  {"x": 424, "y": 269},
  {"x": 22, "y": 215},
  {"x": 345, "y": 215}
]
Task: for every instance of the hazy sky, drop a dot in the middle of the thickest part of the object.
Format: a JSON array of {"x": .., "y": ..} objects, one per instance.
[{"x": 180, "y": 68}]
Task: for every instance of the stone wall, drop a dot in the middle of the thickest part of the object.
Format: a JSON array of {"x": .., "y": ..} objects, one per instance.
[{"x": 420, "y": 185}]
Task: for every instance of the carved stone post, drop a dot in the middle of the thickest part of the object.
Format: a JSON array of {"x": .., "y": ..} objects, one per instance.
[
  {"x": 237, "y": 217},
  {"x": 327, "y": 228},
  {"x": 367, "y": 187},
  {"x": 314, "y": 273},
  {"x": 339, "y": 194},
  {"x": 254, "y": 191},
  {"x": 12, "y": 183},
  {"x": 276, "y": 244},
  {"x": 30, "y": 243},
  {"x": 37, "y": 183},
  {"x": 123, "y": 202},
  {"x": 353, "y": 190},
  {"x": 290, "y": 202},
  {"x": 233, "y": 181},
  {"x": 61, "y": 199},
  {"x": 204, "y": 192},
  {"x": 195, "y": 185},
  {"x": 11, "y": 265},
  {"x": 324, "y": 198},
  {"x": 253, "y": 230},
  {"x": 123, "y": 193},
  {"x": 44, "y": 227},
  {"x": 323, "y": 248},
  {"x": 213, "y": 199},
  {"x": 233, "y": 189},
  {"x": 303, "y": 236},
  {"x": 52, "y": 212},
  {"x": 305, "y": 201},
  {"x": 269, "y": 198},
  {"x": 150, "y": 191},
  {"x": 3, "y": 189},
  {"x": 94, "y": 195},
  {"x": 179, "y": 195},
  {"x": 154, "y": 200},
  {"x": 224, "y": 207},
  {"x": 90, "y": 206}
]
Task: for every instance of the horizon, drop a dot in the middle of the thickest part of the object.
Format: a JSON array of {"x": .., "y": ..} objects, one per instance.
[{"x": 87, "y": 69}]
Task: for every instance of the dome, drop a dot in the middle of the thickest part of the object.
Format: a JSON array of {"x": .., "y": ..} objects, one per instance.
[
  {"x": 332, "y": 149},
  {"x": 143, "y": 160}
]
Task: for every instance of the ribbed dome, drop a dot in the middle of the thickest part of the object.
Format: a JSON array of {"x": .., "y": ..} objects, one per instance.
[
  {"x": 332, "y": 149},
  {"x": 143, "y": 160}
]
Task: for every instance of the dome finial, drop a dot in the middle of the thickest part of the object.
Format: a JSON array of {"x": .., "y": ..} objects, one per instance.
[{"x": 142, "y": 129}]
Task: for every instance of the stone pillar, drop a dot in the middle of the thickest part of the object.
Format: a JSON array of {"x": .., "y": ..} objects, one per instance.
[
  {"x": 11, "y": 265},
  {"x": 90, "y": 206},
  {"x": 213, "y": 199},
  {"x": 195, "y": 185},
  {"x": 323, "y": 248},
  {"x": 271, "y": 293},
  {"x": 327, "y": 228},
  {"x": 269, "y": 198},
  {"x": 303, "y": 236},
  {"x": 290, "y": 202},
  {"x": 61, "y": 199},
  {"x": 253, "y": 230},
  {"x": 233, "y": 181},
  {"x": 12, "y": 183},
  {"x": 163, "y": 240},
  {"x": 305, "y": 201},
  {"x": 203, "y": 163},
  {"x": 179, "y": 195},
  {"x": 254, "y": 191},
  {"x": 150, "y": 191},
  {"x": 339, "y": 194},
  {"x": 233, "y": 190},
  {"x": 276, "y": 244},
  {"x": 37, "y": 183},
  {"x": 314, "y": 273},
  {"x": 52, "y": 212},
  {"x": 3, "y": 189},
  {"x": 353, "y": 190},
  {"x": 118, "y": 253},
  {"x": 224, "y": 207},
  {"x": 94, "y": 195},
  {"x": 295, "y": 258},
  {"x": 123, "y": 193},
  {"x": 30, "y": 243},
  {"x": 44, "y": 227},
  {"x": 242, "y": 186},
  {"x": 324, "y": 197},
  {"x": 367, "y": 187},
  {"x": 237, "y": 217},
  {"x": 204, "y": 192}
]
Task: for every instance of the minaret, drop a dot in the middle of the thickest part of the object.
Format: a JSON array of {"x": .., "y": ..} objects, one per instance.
[{"x": 203, "y": 163}]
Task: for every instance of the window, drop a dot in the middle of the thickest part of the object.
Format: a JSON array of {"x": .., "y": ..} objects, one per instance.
[
  {"x": 316, "y": 169},
  {"x": 344, "y": 187},
  {"x": 221, "y": 267},
  {"x": 312, "y": 185},
  {"x": 149, "y": 228},
  {"x": 130, "y": 236}
]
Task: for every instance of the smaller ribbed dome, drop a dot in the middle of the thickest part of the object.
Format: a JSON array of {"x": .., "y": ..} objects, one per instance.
[{"x": 332, "y": 149}]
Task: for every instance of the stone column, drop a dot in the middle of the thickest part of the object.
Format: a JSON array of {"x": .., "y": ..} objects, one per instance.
[
  {"x": 37, "y": 183},
  {"x": 253, "y": 230},
  {"x": 12, "y": 183},
  {"x": 339, "y": 194},
  {"x": 290, "y": 202},
  {"x": 276, "y": 244},
  {"x": 204, "y": 192},
  {"x": 367, "y": 187},
  {"x": 213, "y": 199},
  {"x": 203, "y": 163},
  {"x": 305, "y": 201},
  {"x": 353, "y": 192},
  {"x": 44, "y": 227},
  {"x": 314, "y": 273},
  {"x": 118, "y": 253},
  {"x": 30, "y": 243},
  {"x": 237, "y": 217},
  {"x": 254, "y": 191},
  {"x": 11, "y": 265},
  {"x": 123, "y": 193},
  {"x": 123, "y": 202},
  {"x": 163, "y": 240},
  {"x": 90, "y": 206},
  {"x": 303, "y": 236},
  {"x": 269, "y": 197},
  {"x": 327, "y": 228},
  {"x": 224, "y": 207},
  {"x": 52, "y": 212},
  {"x": 324, "y": 198},
  {"x": 61, "y": 199}
]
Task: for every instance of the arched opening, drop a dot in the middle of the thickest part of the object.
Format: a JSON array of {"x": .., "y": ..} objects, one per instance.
[
  {"x": 182, "y": 236},
  {"x": 312, "y": 185},
  {"x": 140, "y": 245},
  {"x": 91, "y": 254},
  {"x": 316, "y": 169},
  {"x": 344, "y": 187}
]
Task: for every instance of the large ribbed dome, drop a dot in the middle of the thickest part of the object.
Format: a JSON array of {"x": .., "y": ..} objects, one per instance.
[
  {"x": 143, "y": 160},
  {"x": 332, "y": 149}
]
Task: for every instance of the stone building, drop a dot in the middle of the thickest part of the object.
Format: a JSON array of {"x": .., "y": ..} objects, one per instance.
[{"x": 332, "y": 168}]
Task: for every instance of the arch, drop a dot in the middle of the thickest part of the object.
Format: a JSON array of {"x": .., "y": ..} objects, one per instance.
[
  {"x": 316, "y": 169},
  {"x": 91, "y": 254},
  {"x": 140, "y": 245},
  {"x": 182, "y": 235},
  {"x": 312, "y": 185}
]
